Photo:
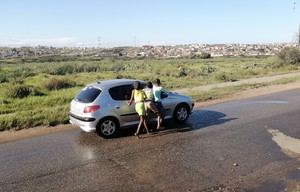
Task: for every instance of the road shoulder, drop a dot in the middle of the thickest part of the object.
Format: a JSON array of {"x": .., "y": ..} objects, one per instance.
[{"x": 12, "y": 135}]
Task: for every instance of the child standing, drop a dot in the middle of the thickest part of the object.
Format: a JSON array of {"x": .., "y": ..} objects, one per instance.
[
  {"x": 138, "y": 95},
  {"x": 157, "y": 89},
  {"x": 150, "y": 105}
]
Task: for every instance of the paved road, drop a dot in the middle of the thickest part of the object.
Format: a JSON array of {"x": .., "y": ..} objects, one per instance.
[{"x": 247, "y": 145}]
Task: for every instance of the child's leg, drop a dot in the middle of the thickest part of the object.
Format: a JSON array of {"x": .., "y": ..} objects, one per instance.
[
  {"x": 146, "y": 124},
  {"x": 139, "y": 126},
  {"x": 159, "y": 120}
]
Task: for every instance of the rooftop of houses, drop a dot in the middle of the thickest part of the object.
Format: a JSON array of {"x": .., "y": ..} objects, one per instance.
[{"x": 215, "y": 50}]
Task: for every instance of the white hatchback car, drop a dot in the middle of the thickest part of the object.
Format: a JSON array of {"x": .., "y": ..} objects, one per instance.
[{"x": 102, "y": 107}]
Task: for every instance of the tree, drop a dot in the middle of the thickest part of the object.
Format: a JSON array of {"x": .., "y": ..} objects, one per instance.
[
  {"x": 289, "y": 56},
  {"x": 200, "y": 56}
]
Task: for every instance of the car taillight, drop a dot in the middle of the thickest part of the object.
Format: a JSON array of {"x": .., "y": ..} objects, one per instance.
[{"x": 91, "y": 109}]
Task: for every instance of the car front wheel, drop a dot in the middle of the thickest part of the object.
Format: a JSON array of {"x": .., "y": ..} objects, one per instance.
[
  {"x": 181, "y": 113},
  {"x": 107, "y": 127}
]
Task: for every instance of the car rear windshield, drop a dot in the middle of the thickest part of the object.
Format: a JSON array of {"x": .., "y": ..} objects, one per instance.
[{"x": 87, "y": 95}]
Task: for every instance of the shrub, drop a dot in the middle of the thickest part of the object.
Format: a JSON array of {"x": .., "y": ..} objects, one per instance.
[
  {"x": 222, "y": 76},
  {"x": 3, "y": 78},
  {"x": 289, "y": 55},
  {"x": 182, "y": 73},
  {"x": 18, "y": 91},
  {"x": 35, "y": 91},
  {"x": 207, "y": 69},
  {"x": 200, "y": 56},
  {"x": 63, "y": 70},
  {"x": 16, "y": 80},
  {"x": 56, "y": 84}
]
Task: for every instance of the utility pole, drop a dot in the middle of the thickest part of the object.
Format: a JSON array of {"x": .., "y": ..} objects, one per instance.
[
  {"x": 134, "y": 41},
  {"x": 99, "y": 42},
  {"x": 34, "y": 51}
]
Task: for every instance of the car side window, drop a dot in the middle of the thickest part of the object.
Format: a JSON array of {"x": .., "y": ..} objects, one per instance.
[
  {"x": 163, "y": 95},
  {"x": 121, "y": 93}
]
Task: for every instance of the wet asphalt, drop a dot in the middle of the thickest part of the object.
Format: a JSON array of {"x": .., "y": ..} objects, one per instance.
[{"x": 224, "y": 147}]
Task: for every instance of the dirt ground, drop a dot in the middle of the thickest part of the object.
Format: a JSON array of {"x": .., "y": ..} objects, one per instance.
[{"x": 8, "y": 136}]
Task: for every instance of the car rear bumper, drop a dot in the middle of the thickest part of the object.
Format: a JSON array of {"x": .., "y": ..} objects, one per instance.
[
  {"x": 86, "y": 126},
  {"x": 84, "y": 119}
]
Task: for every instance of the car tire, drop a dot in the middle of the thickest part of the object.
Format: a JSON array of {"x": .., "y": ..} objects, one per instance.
[
  {"x": 181, "y": 113},
  {"x": 107, "y": 127}
]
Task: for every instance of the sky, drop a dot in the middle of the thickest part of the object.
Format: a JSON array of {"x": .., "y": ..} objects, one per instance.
[{"x": 113, "y": 23}]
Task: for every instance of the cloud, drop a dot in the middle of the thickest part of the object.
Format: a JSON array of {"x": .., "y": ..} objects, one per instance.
[{"x": 56, "y": 42}]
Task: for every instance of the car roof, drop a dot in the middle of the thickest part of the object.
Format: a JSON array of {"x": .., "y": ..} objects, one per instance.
[{"x": 113, "y": 82}]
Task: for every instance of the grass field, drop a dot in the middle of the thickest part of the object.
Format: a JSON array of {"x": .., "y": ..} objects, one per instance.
[{"x": 38, "y": 93}]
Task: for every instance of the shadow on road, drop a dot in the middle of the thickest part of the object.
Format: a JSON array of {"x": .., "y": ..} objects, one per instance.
[
  {"x": 206, "y": 118},
  {"x": 198, "y": 119}
]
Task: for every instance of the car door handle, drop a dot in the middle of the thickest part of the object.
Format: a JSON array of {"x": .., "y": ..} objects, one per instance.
[{"x": 117, "y": 107}]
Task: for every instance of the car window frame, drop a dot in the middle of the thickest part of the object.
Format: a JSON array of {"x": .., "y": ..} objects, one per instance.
[
  {"x": 84, "y": 100},
  {"x": 121, "y": 92}
]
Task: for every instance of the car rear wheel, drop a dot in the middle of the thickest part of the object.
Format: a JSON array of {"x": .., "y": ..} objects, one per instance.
[
  {"x": 107, "y": 127},
  {"x": 181, "y": 113}
]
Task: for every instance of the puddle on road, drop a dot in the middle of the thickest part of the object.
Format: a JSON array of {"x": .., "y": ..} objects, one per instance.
[{"x": 289, "y": 145}]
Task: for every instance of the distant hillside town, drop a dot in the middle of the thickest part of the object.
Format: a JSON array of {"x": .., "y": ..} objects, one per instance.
[{"x": 213, "y": 50}]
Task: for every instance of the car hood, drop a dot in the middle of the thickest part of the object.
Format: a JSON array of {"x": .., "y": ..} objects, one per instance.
[{"x": 180, "y": 95}]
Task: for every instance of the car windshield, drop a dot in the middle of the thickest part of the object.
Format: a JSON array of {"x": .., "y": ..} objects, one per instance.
[{"x": 87, "y": 95}]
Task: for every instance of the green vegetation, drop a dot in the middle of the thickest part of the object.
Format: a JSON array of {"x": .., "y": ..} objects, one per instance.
[
  {"x": 289, "y": 56},
  {"x": 218, "y": 93},
  {"x": 36, "y": 92}
]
